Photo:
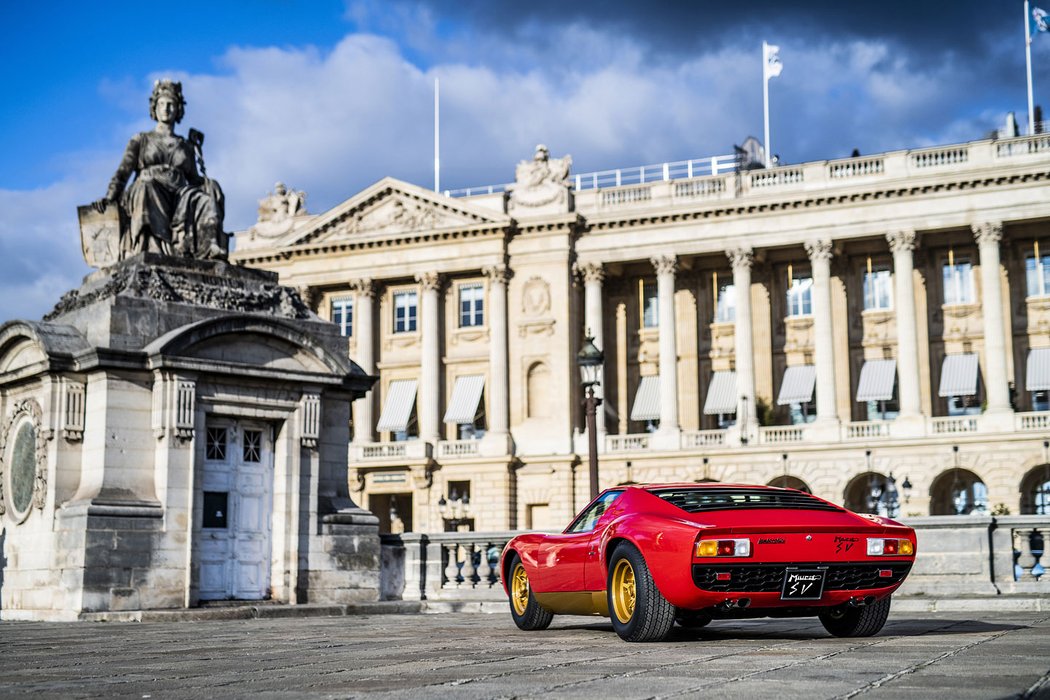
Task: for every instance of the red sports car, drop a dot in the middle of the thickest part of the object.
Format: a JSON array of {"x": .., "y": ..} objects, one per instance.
[{"x": 652, "y": 555}]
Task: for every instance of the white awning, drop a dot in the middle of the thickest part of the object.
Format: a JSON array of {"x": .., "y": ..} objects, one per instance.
[
  {"x": 798, "y": 384},
  {"x": 721, "y": 394},
  {"x": 397, "y": 409},
  {"x": 876, "y": 380},
  {"x": 1037, "y": 374},
  {"x": 647, "y": 400},
  {"x": 466, "y": 395},
  {"x": 959, "y": 375}
]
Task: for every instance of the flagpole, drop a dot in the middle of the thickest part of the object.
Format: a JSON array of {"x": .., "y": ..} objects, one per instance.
[
  {"x": 765, "y": 102},
  {"x": 437, "y": 136},
  {"x": 1028, "y": 62}
]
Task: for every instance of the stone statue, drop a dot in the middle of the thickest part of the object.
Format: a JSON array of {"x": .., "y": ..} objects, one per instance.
[
  {"x": 541, "y": 186},
  {"x": 169, "y": 208},
  {"x": 282, "y": 204}
]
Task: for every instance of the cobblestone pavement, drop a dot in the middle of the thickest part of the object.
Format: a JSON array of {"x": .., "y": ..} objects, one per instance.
[{"x": 456, "y": 655}]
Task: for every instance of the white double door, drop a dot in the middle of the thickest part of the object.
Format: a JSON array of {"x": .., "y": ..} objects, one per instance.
[{"x": 235, "y": 493}]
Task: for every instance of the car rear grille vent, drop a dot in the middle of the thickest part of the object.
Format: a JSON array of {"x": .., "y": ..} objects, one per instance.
[
  {"x": 705, "y": 499},
  {"x": 760, "y": 578}
]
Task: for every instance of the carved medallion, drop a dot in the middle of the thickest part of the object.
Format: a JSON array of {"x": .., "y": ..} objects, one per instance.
[{"x": 535, "y": 297}]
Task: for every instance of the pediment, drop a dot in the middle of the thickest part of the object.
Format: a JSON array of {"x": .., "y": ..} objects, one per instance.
[{"x": 392, "y": 208}]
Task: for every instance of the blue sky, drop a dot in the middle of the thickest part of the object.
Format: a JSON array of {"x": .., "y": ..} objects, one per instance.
[{"x": 330, "y": 96}]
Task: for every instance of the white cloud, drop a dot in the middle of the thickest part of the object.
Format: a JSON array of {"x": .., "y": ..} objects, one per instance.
[{"x": 332, "y": 122}]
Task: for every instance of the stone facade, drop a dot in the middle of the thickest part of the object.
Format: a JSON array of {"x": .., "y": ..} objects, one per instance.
[
  {"x": 817, "y": 270},
  {"x": 119, "y": 406}
]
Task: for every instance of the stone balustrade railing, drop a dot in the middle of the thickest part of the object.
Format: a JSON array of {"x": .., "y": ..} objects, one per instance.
[
  {"x": 780, "y": 434},
  {"x": 956, "y": 555},
  {"x": 953, "y": 424}
]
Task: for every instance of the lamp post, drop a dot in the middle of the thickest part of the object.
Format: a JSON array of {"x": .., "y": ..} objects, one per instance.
[
  {"x": 590, "y": 360},
  {"x": 455, "y": 511}
]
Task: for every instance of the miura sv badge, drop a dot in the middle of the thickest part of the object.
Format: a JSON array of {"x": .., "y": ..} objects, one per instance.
[{"x": 803, "y": 584}]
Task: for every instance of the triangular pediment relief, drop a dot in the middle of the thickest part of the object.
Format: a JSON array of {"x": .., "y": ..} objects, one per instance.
[{"x": 390, "y": 209}]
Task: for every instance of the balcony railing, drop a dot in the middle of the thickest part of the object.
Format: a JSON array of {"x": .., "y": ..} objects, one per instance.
[
  {"x": 780, "y": 434},
  {"x": 868, "y": 430},
  {"x": 1038, "y": 420},
  {"x": 627, "y": 443},
  {"x": 953, "y": 424},
  {"x": 703, "y": 438},
  {"x": 458, "y": 448},
  {"x": 383, "y": 450}
]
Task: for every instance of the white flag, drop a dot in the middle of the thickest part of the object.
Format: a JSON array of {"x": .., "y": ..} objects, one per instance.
[{"x": 772, "y": 66}]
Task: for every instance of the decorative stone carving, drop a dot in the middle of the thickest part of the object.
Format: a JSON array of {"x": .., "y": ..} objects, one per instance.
[
  {"x": 364, "y": 287},
  {"x": 174, "y": 407},
  {"x": 535, "y": 297},
  {"x": 541, "y": 183},
  {"x": 497, "y": 274},
  {"x": 818, "y": 250},
  {"x": 741, "y": 257},
  {"x": 278, "y": 211},
  {"x": 310, "y": 420},
  {"x": 311, "y": 296},
  {"x": 24, "y": 464},
  {"x": 905, "y": 239},
  {"x": 72, "y": 407},
  {"x": 184, "y": 286},
  {"x": 170, "y": 207},
  {"x": 988, "y": 233},
  {"x": 590, "y": 272},
  {"x": 429, "y": 281},
  {"x": 665, "y": 264}
]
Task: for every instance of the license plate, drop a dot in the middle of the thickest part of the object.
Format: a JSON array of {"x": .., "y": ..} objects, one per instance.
[{"x": 803, "y": 584}]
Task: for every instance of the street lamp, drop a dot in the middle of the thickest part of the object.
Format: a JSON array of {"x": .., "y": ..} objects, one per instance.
[
  {"x": 590, "y": 360},
  {"x": 455, "y": 510}
]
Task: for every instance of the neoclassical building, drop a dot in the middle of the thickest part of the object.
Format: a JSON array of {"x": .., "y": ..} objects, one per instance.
[{"x": 875, "y": 330}]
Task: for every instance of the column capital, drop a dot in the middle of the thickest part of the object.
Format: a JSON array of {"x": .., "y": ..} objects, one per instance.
[
  {"x": 742, "y": 257},
  {"x": 902, "y": 240},
  {"x": 988, "y": 232},
  {"x": 365, "y": 287},
  {"x": 496, "y": 274},
  {"x": 664, "y": 264},
  {"x": 590, "y": 272},
  {"x": 430, "y": 281},
  {"x": 818, "y": 250}
]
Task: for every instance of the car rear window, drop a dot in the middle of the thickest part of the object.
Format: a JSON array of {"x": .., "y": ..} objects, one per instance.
[{"x": 699, "y": 500}]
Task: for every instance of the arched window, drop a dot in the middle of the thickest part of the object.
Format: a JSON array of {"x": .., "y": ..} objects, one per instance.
[
  {"x": 1035, "y": 491},
  {"x": 872, "y": 492},
  {"x": 538, "y": 387},
  {"x": 790, "y": 482},
  {"x": 958, "y": 492}
]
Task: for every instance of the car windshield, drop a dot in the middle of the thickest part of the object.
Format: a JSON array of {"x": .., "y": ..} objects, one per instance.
[
  {"x": 586, "y": 520},
  {"x": 705, "y": 499}
]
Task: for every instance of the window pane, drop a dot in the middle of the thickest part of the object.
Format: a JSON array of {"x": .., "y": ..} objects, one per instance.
[
  {"x": 725, "y": 312},
  {"x": 404, "y": 312},
  {"x": 800, "y": 297},
  {"x": 343, "y": 315},
  {"x": 651, "y": 310},
  {"x": 471, "y": 304},
  {"x": 877, "y": 293}
]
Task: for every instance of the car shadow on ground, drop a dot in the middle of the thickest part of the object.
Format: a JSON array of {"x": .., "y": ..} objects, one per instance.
[{"x": 808, "y": 628}]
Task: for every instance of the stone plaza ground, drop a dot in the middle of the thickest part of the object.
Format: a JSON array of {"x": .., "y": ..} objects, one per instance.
[{"x": 470, "y": 655}]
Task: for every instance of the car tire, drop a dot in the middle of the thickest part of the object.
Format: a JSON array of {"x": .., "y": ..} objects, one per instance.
[
  {"x": 846, "y": 621},
  {"x": 692, "y": 619},
  {"x": 526, "y": 612},
  {"x": 638, "y": 610}
]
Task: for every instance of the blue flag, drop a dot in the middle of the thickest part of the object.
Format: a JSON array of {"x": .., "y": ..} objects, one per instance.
[{"x": 1039, "y": 18}]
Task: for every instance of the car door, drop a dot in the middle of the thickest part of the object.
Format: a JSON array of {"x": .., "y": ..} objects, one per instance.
[{"x": 565, "y": 557}]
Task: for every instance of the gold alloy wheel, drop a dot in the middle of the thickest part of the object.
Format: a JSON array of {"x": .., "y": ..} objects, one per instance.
[
  {"x": 519, "y": 589},
  {"x": 623, "y": 591}
]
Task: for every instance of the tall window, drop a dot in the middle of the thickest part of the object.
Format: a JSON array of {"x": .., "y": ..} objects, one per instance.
[
  {"x": 877, "y": 281},
  {"x": 343, "y": 316},
  {"x": 958, "y": 280},
  {"x": 405, "y": 305},
  {"x": 725, "y": 300},
  {"x": 471, "y": 305},
  {"x": 650, "y": 303},
  {"x": 799, "y": 294},
  {"x": 1037, "y": 272}
]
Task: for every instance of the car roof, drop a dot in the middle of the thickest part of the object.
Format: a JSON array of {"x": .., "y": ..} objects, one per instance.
[{"x": 696, "y": 485}]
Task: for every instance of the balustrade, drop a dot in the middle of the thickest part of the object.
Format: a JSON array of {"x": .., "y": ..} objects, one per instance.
[
  {"x": 458, "y": 448},
  {"x": 865, "y": 430},
  {"x": 779, "y": 434},
  {"x": 1028, "y": 552},
  {"x": 626, "y": 443},
  {"x": 953, "y": 424},
  {"x": 1039, "y": 420},
  {"x": 952, "y": 155},
  {"x": 703, "y": 438}
]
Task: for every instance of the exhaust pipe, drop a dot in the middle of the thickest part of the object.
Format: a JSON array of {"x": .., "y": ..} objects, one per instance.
[
  {"x": 861, "y": 602},
  {"x": 729, "y": 603}
]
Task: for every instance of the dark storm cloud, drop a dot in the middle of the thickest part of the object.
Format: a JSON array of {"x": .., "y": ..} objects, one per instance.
[{"x": 682, "y": 27}]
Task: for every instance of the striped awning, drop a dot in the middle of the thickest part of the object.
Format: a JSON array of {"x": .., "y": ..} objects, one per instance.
[
  {"x": 876, "y": 380},
  {"x": 466, "y": 395},
  {"x": 397, "y": 409},
  {"x": 721, "y": 394},
  {"x": 959, "y": 375},
  {"x": 798, "y": 384},
  {"x": 647, "y": 400},
  {"x": 1037, "y": 374}
]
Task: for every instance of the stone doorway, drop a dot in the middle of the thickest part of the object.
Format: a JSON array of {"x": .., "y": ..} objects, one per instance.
[{"x": 233, "y": 525}]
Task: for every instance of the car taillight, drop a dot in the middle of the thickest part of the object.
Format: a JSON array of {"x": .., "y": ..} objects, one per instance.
[
  {"x": 881, "y": 546},
  {"x": 740, "y": 547}
]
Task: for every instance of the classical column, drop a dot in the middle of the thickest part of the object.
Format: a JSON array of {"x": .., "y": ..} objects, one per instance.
[
  {"x": 499, "y": 404},
  {"x": 430, "y": 362},
  {"x": 819, "y": 252},
  {"x": 743, "y": 335},
  {"x": 665, "y": 268},
  {"x": 593, "y": 275},
  {"x": 902, "y": 244},
  {"x": 365, "y": 356},
  {"x": 997, "y": 385}
]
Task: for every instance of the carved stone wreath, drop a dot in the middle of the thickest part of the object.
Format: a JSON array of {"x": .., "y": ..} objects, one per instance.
[{"x": 23, "y": 409}]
